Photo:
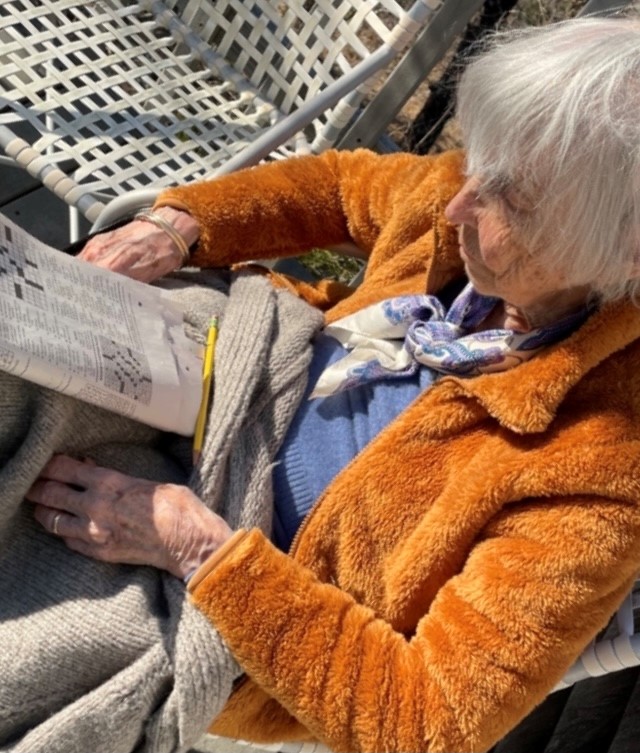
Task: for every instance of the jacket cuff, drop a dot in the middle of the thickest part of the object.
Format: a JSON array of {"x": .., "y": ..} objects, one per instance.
[
  {"x": 214, "y": 559},
  {"x": 170, "y": 202}
]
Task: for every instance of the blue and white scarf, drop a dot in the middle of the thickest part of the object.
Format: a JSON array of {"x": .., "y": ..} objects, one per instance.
[{"x": 393, "y": 338}]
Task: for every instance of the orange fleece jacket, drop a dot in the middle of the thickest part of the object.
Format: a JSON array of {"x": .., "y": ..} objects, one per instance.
[{"x": 450, "y": 575}]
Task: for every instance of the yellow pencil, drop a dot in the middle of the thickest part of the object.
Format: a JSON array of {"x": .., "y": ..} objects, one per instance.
[{"x": 207, "y": 375}]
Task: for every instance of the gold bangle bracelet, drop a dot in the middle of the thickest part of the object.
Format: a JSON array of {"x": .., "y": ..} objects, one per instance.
[{"x": 155, "y": 219}]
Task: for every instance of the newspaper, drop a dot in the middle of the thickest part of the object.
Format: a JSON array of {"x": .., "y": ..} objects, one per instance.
[{"x": 95, "y": 335}]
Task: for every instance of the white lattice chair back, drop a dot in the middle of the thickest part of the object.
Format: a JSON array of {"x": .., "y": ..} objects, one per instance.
[
  {"x": 289, "y": 52},
  {"x": 138, "y": 93}
]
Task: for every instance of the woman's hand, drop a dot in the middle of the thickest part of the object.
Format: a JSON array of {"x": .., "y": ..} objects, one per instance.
[
  {"x": 141, "y": 250},
  {"x": 117, "y": 518}
]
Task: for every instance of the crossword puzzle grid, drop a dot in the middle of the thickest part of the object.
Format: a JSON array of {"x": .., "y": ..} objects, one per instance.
[
  {"x": 126, "y": 371},
  {"x": 19, "y": 275}
]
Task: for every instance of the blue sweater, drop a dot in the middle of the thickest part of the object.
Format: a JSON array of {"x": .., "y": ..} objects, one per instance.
[{"x": 326, "y": 433}]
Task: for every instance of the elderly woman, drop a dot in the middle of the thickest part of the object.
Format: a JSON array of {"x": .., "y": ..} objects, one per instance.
[{"x": 460, "y": 513}]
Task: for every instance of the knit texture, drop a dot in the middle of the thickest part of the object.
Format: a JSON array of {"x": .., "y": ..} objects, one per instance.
[{"x": 99, "y": 657}]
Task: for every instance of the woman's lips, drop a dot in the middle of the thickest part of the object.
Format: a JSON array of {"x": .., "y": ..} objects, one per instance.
[
  {"x": 461, "y": 244},
  {"x": 464, "y": 253}
]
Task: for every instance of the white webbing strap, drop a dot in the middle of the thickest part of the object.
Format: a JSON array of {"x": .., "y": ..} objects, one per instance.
[{"x": 49, "y": 175}]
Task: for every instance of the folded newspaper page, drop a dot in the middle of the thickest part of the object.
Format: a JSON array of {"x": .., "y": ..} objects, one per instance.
[{"x": 95, "y": 335}]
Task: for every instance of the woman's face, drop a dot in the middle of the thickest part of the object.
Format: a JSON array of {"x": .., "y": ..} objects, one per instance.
[{"x": 496, "y": 259}]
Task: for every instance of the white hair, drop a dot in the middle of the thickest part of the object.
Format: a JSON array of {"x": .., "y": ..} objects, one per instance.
[{"x": 553, "y": 113}]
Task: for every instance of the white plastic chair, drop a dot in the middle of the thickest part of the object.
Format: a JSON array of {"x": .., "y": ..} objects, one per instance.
[
  {"x": 119, "y": 95},
  {"x": 618, "y": 648}
]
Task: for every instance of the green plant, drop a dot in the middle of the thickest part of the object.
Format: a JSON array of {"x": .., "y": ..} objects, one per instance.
[{"x": 327, "y": 264}]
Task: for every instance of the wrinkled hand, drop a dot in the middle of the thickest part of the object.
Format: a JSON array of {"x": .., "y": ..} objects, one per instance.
[
  {"x": 141, "y": 250},
  {"x": 118, "y": 518}
]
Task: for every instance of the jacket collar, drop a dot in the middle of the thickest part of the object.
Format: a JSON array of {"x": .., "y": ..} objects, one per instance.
[{"x": 525, "y": 399}]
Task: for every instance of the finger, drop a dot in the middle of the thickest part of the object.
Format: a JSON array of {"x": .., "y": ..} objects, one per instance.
[
  {"x": 68, "y": 470},
  {"x": 116, "y": 258},
  {"x": 82, "y": 547},
  {"x": 89, "y": 250},
  {"x": 52, "y": 520},
  {"x": 58, "y": 496},
  {"x": 68, "y": 526},
  {"x": 96, "y": 246},
  {"x": 94, "y": 551}
]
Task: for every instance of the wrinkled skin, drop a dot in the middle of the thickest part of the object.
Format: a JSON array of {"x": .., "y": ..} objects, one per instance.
[
  {"x": 141, "y": 250},
  {"x": 499, "y": 263},
  {"x": 117, "y": 518},
  {"x": 108, "y": 515}
]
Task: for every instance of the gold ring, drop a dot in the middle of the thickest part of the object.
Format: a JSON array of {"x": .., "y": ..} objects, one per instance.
[{"x": 56, "y": 520}]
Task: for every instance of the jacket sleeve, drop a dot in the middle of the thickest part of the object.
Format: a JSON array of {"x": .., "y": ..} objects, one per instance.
[
  {"x": 536, "y": 587},
  {"x": 290, "y": 206}
]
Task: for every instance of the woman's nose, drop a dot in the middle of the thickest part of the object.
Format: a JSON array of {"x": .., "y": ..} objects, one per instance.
[{"x": 461, "y": 209}]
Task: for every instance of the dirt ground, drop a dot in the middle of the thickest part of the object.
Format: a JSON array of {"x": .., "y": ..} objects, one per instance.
[{"x": 525, "y": 12}]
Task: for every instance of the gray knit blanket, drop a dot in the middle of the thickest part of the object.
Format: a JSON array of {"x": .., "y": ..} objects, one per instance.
[{"x": 114, "y": 658}]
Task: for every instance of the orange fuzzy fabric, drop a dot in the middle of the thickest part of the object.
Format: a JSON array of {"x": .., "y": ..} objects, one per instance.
[{"x": 451, "y": 574}]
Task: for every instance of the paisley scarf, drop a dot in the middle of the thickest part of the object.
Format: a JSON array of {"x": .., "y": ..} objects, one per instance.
[{"x": 394, "y": 338}]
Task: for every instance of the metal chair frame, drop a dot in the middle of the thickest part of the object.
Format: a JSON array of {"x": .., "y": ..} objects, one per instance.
[{"x": 102, "y": 98}]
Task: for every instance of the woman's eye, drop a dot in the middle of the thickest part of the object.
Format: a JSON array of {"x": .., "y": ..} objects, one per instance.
[
  {"x": 484, "y": 197},
  {"x": 488, "y": 191},
  {"x": 515, "y": 201}
]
